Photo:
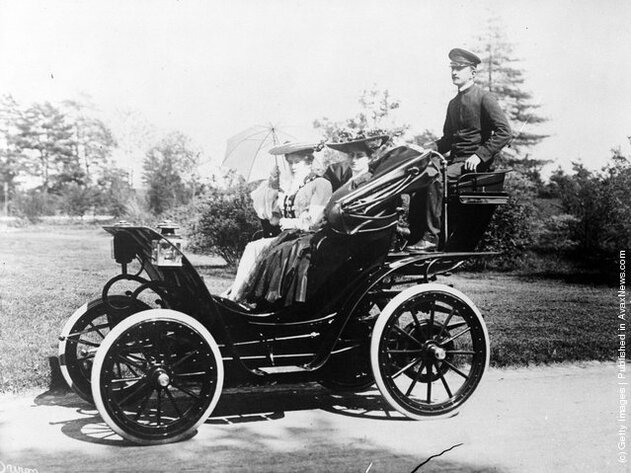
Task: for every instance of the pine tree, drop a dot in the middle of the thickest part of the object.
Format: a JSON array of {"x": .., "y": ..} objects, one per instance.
[
  {"x": 10, "y": 163},
  {"x": 501, "y": 74},
  {"x": 45, "y": 142},
  {"x": 93, "y": 141}
]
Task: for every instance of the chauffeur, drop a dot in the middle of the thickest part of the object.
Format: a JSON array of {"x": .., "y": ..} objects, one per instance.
[{"x": 474, "y": 132}]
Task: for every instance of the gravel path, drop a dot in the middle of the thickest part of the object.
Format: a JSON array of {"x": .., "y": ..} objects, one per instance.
[{"x": 545, "y": 419}]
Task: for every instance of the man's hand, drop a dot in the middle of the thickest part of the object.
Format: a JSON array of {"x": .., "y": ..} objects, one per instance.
[{"x": 472, "y": 163}]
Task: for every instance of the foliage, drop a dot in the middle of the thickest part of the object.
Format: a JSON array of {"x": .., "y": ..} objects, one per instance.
[
  {"x": 33, "y": 204},
  {"x": 92, "y": 142},
  {"x": 64, "y": 148},
  {"x": 375, "y": 117},
  {"x": 509, "y": 233},
  {"x": 600, "y": 203},
  {"x": 44, "y": 140},
  {"x": 134, "y": 135},
  {"x": 169, "y": 171},
  {"x": 114, "y": 192},
  {"x": 499, "y": 73},
  {"x": 617, "y": 183},
  {"x": 77, "y": 200},
  {"x": 136, "y": 211},
  {"x": 555, "y": 234},
  {"x": 225, "y": 221},
  {"x": 10, "y": 163},
  {"x": 425, "y": 139}
]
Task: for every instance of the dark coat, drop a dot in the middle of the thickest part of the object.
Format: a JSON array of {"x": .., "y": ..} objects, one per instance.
[
  {"x": 475, "y": 124},
  {"x": 337, "y": 174}
]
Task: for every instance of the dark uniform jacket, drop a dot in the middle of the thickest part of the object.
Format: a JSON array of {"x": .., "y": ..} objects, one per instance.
[{"x": 475, "y": 124}]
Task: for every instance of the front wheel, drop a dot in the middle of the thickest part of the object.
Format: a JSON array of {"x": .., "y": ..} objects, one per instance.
[
  {"x": 157, "y": 376},
  {"x": 429, "y": 350}
]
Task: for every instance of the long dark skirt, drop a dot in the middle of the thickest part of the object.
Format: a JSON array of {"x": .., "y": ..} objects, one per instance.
[{"x": 281, "y": 271}]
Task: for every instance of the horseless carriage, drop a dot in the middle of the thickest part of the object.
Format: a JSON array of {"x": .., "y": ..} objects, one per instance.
[{"x": 156, "y": 349}]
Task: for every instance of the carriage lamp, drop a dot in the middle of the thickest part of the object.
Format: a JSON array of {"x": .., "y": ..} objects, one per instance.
[{"x": 167, "y": 251}]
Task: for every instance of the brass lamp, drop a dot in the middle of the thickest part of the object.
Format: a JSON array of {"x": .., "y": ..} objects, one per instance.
[{"x": 167, "y": 250}]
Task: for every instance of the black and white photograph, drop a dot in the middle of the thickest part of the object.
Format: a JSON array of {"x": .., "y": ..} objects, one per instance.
[{"x": 385, "y": 236}]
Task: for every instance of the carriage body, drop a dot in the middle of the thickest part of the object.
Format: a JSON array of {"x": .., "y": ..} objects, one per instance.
[{"x": 375, "y": 316}]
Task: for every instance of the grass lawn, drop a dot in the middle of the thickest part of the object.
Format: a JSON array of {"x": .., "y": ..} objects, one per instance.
[
  {"x": 47, "y": 272},
  {"x": 536, "y": 320}
]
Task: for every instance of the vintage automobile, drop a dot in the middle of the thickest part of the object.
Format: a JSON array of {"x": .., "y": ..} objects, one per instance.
[{"x": 155, "y": 350}]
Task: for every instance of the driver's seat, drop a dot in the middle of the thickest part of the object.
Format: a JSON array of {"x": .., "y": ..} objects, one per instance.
[{"x": 471, "y": 203}]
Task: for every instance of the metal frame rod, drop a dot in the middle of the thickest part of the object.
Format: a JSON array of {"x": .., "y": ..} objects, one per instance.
[{"x": 445, "y": 232}]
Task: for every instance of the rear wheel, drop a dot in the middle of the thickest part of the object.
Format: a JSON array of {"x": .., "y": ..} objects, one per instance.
[
  {"x": 429, "y": 350},
  {"x": 80, "y": 338},
  {"x": 350, "y": 371},
  {"x": 157, "y": 376}
]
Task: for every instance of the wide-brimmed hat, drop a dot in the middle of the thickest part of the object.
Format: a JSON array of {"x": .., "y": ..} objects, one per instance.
[
  {"x": 462, "y": 57},
  {"x": 368, "y": 144},
  {"x": 294, "y": 147}
]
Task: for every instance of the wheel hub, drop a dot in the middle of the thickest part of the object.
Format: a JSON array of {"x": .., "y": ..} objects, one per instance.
[
  {"x": 161, "y": 378},
  {"x": 429, "y": 335},
  {"x": 437, "y": 352}
]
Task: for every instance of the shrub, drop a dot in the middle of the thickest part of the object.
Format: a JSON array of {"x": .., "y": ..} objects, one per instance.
[
  {"x": 509, "y": 233},
  {"x": 601, "y": 205},
  {"x": 77, "y": 200},
  {"x": 616, "y": 231},
  {"x": 114, "y": 192},
  {"x": 556, "y": 234},
  {"x": 137, "y": 212},
  {"x": 34, "y": 204},
  {"x": 225, "y": 222}
]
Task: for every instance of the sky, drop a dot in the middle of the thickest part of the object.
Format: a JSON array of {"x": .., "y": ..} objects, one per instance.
[{"x": 214, "y": 68}]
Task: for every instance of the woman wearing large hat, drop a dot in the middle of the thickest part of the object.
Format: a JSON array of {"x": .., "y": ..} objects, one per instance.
[
  {"x": 297, "y": 208},
  {"x": 358, "y": 152}
]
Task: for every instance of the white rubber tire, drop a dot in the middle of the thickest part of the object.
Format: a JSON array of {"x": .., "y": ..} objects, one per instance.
[
  {"x": 141, "y": 317},
  {"x": 380, "y": 325},
  {"x": 63, "y": 343}
]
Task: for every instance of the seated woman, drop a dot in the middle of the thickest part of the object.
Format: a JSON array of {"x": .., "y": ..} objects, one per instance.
[
  {"x": 358, "y": 153},
  {"x": 285, "y": 272},
  {"x": 311, "y": 262},
  {"x": 265, "y": 263}
]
